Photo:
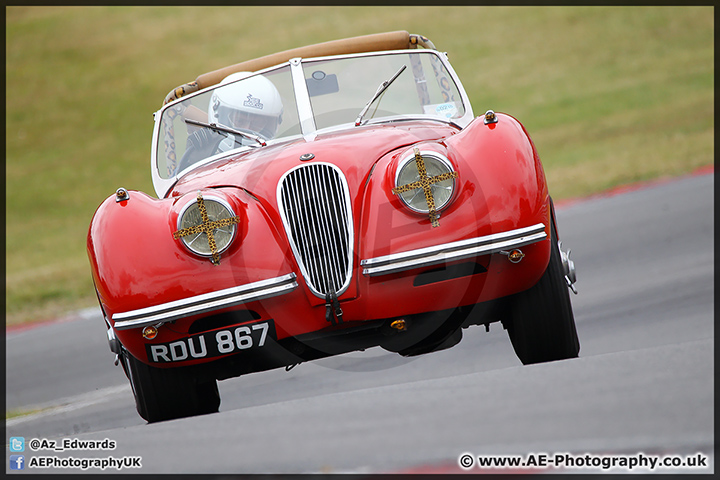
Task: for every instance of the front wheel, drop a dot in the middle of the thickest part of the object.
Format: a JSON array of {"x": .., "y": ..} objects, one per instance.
[
  {"x": 541, "y": 325},
  {"x": 167, "y": 393}
]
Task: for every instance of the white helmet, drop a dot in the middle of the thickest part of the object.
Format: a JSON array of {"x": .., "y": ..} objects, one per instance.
[{"x": 253, "y": 105}]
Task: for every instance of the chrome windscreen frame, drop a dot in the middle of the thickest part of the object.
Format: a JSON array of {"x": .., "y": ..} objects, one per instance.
[{"x": 304, "y": 108}]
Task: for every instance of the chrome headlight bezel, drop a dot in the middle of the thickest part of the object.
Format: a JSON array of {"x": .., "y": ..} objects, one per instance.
[
  {"x": 217, "y": 208},
  {"x": 435, "y": 164}
]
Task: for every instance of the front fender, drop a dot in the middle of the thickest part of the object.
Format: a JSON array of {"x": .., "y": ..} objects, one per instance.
[
  {"x": 506, "y": 168},
  {"x": 500, "y": 187},
  {"x": 136, "y": 263}
]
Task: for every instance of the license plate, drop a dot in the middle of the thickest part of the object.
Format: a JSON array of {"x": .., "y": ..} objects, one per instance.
[{"x": 213, "y": 344}]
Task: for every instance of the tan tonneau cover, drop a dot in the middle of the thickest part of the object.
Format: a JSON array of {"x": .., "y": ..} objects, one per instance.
[{"x": 367, "y": 43}]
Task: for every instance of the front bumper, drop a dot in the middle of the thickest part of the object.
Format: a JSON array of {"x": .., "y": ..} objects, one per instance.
[
  {"x": 207, "y": 302},
  {"x": 448, "y": 252}
]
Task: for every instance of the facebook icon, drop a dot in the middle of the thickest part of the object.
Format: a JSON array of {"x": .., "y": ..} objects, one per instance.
[{"x": 17, "y": 462}]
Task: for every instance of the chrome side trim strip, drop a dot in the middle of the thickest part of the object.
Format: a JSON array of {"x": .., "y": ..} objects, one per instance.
[
  {"x": 447, "y": 252},
  {"x": 206, "y": 302}
]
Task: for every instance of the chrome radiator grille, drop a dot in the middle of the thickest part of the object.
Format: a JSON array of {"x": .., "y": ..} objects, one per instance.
[{"x": 315, "y": 208}]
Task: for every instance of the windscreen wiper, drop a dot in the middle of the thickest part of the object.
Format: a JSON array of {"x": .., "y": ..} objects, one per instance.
[
  {"x": 222, "y": 128},
  {"x": 383, "y": 86}
]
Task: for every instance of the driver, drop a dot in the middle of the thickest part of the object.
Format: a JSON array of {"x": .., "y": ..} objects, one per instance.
[{"x": 253, "y": 106}]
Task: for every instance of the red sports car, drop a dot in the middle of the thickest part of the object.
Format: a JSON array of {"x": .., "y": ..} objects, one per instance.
[{"x": 323, "y": 200}]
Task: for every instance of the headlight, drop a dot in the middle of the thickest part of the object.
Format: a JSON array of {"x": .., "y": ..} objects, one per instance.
[
  {"x": 207, "y": 226},
  {"x": 425, "y": 181}
]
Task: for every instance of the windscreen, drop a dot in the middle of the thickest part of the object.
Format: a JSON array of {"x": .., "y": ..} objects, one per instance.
[
  {"x": 340, "y": 88},
  {"x": 261, "y": 106}
]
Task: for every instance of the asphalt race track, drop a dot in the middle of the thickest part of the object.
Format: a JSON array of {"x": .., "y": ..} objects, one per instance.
[{"x": 643, "y": 383}]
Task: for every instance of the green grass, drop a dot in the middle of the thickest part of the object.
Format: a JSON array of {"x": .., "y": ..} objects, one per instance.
[
  {"x": 20, "y": 413},
  {"x": 610, "y": 95}
]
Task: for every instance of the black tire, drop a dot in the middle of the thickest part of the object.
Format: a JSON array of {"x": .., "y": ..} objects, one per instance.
[
  {"x": 165, "y": 394},
  {"x": 541, "y": 324}
]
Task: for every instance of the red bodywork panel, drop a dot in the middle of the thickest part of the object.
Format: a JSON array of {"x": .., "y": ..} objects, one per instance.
[{"x": 501, "y": 186}]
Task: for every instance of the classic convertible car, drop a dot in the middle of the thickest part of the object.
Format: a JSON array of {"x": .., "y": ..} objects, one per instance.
[{"x": 323, "y": 200}]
